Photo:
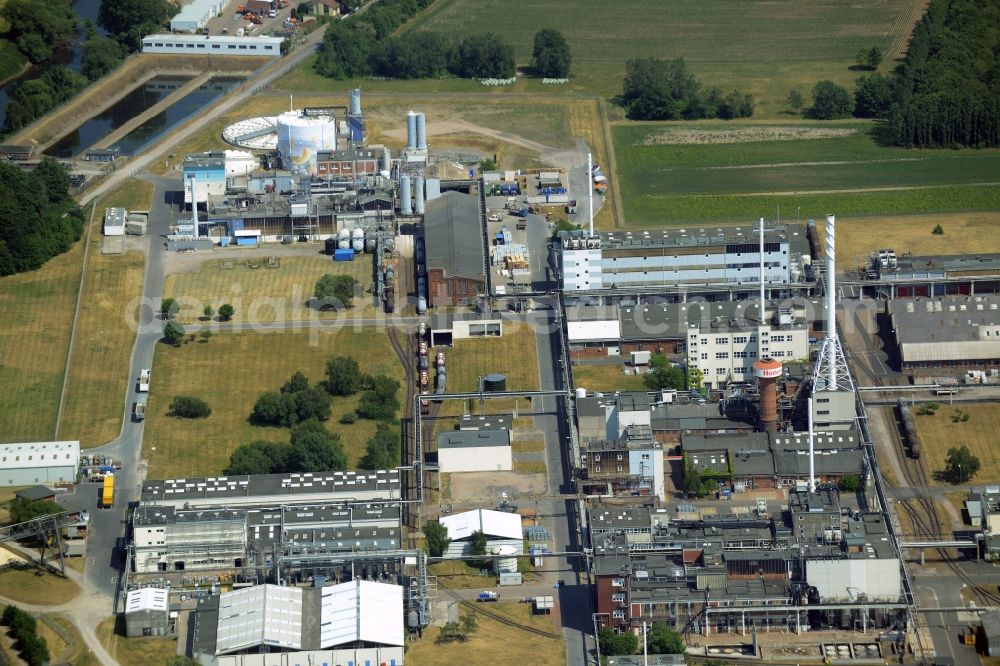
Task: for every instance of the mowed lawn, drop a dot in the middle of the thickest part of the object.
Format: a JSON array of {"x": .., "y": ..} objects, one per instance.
[
  {"x": 606, "y": 378},
  {"x": 36, "y": 309},
  {"x": 493, "y": 642},
  {"x": 229, "y": 372},
  {"x": 263, "y": 294},
  {"x": 673, "y": 174},
  {"x": 938, "y": 434},
  {"x": 513, "y": 354},
  {"x": 134, "y": 651},
  {"x": 762, "y": 47},
  {"x": 102, "y": 348}
]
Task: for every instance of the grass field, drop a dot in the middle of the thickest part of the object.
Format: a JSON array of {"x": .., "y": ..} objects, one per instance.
[
  {"x": 37, "y": 311},
  {"x": 938, "y": 434},
  {"x": 493, "y": 642},
  {"x": 765, "y": 48},
  {"x": 606, "y": 378},
  {"x": 229, "y": 372},
  {"x": 22, "y": 585},
  {"x": 12, "y": 61},
  {"x": 134, "y": 651},
  {"x": 76, "y": 652},
  {"x": 98, "y": 371},
  {"x": 267, "y": 294},
  {"x": 528, "y": 446},
  {"x": 531, "y": 467},
  {"x": 707, "y": 172},
  {"x": 512, "y": 354}
]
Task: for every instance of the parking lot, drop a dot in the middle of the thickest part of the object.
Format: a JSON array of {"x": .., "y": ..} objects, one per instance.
[{"x": 230, "y": 22}]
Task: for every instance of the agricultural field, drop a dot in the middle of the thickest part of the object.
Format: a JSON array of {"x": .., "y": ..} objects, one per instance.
[
  {"x": 492, "y": 639},
  {"x": 706, "y": 172},
  {"x": 939, "y": 432},
  {"x": 134, "y": 651},
  {"x": 764, "y": 48},
  {"x": 606, "y": 378},
  {"x": 263, "y": 294},
  {"x": 229, "y": 372},
  {"x": 102, "y": 347}
]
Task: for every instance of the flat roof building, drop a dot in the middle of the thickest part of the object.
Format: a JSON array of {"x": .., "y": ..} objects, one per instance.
[
  {"x": 39, "y": 462},
  {"x": 957, "y": 331},
  {"x": 475, "y": 451}
]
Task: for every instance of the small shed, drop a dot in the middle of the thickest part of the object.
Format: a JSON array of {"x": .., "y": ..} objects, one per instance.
[
  {"x": 36, "y": 494},
  {"x": 475, "y": 451},
  {"x": 146, "y": 612},
  {"x": 544, "y": 605},
  {"x": 114, "y": 221}
]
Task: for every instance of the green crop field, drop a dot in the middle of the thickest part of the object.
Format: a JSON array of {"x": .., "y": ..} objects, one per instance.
[
  {"x": 674, "y": 174},
  {"x": 764, "y": 47}
]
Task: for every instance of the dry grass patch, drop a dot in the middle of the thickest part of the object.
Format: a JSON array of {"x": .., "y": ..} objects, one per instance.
[
  {"x": 76, "y": 652},
  {"x": 680, "y": 137},
  {"x": 24, "y": 586},
  {"x": 606, "y": 378},
  {"x": 530, "y": 467},
  {"x": 494, "y": 642},
  {"x": 229, "y": 372},
  {"x": 134, "y": 651},
  {"x": 528, "y": 446},
  {"x": 132, "y": 194},
  {"x": 938, "y": 433},
  {"x": 264, "y": 294},
  {"x": 513, "y": 354}
]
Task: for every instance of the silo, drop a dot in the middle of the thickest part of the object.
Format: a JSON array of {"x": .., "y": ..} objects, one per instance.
[
  {"x": 370, "y": 245},
  {"x": 344, "y": 239},
  {"x": 411, "y": 130},
  {"x": 418, "y": 195},
  {"x": 421, "y": 132},
  {"x": 495, "y": 383},
  {"x": 581, "y": 393},
  {"x": 354, "y": 107},
  {"x": 386, "y": 162},
  {"x": 421, "y": 305},
  {"x": 505, "y": 563},
  {"x": 405, "y": 206},
  {"x": 300, "y": 138},
  {"x": 358, "y": 240}
]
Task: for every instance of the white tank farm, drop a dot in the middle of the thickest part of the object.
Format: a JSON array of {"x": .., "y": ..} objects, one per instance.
[{"x": 300, "y": 138}]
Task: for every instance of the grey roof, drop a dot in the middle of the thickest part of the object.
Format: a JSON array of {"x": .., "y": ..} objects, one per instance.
[
  {"x": 693, "y": 416},
  {"x": 633, "y": 401},
  {"x": 486, "y": 422},
  {"x": 35, "y": 493},
  {"x": 991, "y": 626},
  {"x": 213, "y": 160},
  {"x": 273, "y": 488},
  {"x": 592, "y": 406},
  {"x": 947, "y": 328},
  {"x": 750, "y": 441},
  {"x": 453, "y": 235},
  {"x": 620, "y": 517},
  {"x": 945, "y": 263},
  {"x": 692, "y": 237},
  {"x": 752, "y": 463},
  {"x": 455, "y": 439},
  {"x": 648, "y": 660},
  {"x": 659, "y": 321},
  {"x": 831, "y": 461}
]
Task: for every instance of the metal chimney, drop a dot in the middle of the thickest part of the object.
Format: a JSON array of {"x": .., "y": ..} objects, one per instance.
[
  {"x": 411, "y": 130},
  {"x": 812, "y": 450},
  {"x": 354, "y": 108},
  {"x": 762, "y": 315},
  {"x": 831, "y": 299},
  {"x": 421, "y": 131},
  {"x": 768, "y": 371},
  {"x": 194, "y": 204},
  {"x": 590, "y": 192},
  {"x": 405, "y": 206},
  {"x": 418, "y": 195}
]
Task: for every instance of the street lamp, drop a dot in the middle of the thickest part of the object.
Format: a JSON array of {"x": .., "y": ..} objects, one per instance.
[{"x": 961, "y": 477}]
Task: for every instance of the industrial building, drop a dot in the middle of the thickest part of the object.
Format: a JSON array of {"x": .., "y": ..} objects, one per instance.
[
  {"x": 202, "y": 45},
  {"x": 819, "y": 568},
  {"x": 114, "y": 221},
  {"x": 502, "y": 530},
  {"x": 949, "y": 331},
  {"x": 701, "y": 256},
  {"x": 907, "y": 276},
  {"x": 628, "y": 467},
  {"x": 39, "y": 462},
  {"x": 453, "y": 234},
  {"x": 195, "y": 15},
  {"x": 302, "y": 135},
  {"x": 475, "y": 451},
  {"x": 147, "y": 612}
]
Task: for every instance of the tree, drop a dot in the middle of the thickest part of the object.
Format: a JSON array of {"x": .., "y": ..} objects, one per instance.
[
  {"x": 343, "y": 376},
  {"x": 308, "y": 427},
  {"x": 412, "y": 55},
  {"x": 436, "y": 536},
  {"x": 276, "y": 409},
  {"x": 315, "y": 452},
  {"x": 795, "y": 100},
  {"x": 379, "y": 402},
  {"x": 129, "y": 20},
  {"x": 938, "y": 230},
  {"x": 32, "y": 99},
  {"x": 488, "y": 164},
  {"x": 830, "y": 101},
  {"x": 656, "y": 89},
  {"x": 189, "y": 407},
  {"x": 312, "y": 403},
  {"x": 169, "y": 308},
  {"x": 663, "y": 375},
  {"x": 259, "y": 457},
  {"x": 297, "y": 382},
  {"x": 960, "y": 465},
  {"x": 100, "y": 55},
  {"x": 484, "y": 56},
  {"x": 695, "y": 378},
  {"x": 208, "y": 311},
  {"x": 21, "y": 510},
  {"x": 39, "y": 28},
  {"x": 850, "y": 483},
  {"x": 614, "y": 643},
  {"x": 477, "y": 543},
  {"x": 661, "y": 639},
  {"x": 382, "y": 450},
  {"x": 346, "y": 50},
  {"x": 469, "y": 625},
  {"x": 735, "y": 105},
  {"x": 335, "y": 291},
  {"x": 226, "y": 312},
  {"x": 870, "y": 58},
  {"x": 551, "y": 57},
  {"x": 34, "y": 47},
  {"x": 691, "y": 482},
  {"x": 872, "y": 96},
  {"x": 173, "y": 333}
]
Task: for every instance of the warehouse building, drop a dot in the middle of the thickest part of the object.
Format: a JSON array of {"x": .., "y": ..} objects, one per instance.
[
  {"x": 950, "y": 331},
  {"x": 453, "y": 237},
  {"x": 39, "y": 462},
  {"x": 501, "y": 529},
  {"x": 147, "y": 612},
  {"x": 202, "y": 45},
  {"x": 196, "y": 15},
  {"x": 475, "y": 451}
]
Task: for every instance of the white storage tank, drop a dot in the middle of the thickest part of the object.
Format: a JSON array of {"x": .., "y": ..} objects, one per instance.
[
  {"x": 581, "y": 393},
  {"x": 301, "y": 137},
  {"x": 344, "y": 242},
  {"x": 358, "y": 240},
  {"x": 505, "y": 563}
]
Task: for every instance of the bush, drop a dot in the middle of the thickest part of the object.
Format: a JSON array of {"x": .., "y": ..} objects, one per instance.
[
  {"x": 850, "y": 483},
  {"x": 348, "y": 418},
  {"x": 33, "y": 649},
  {"x": 173, "y": 333},
  {"x": 226, "y": 312},
  {"x": 830, "y": 101},
  {"x": 189, "y": 407},
  {"x": 379, "y": 402}
]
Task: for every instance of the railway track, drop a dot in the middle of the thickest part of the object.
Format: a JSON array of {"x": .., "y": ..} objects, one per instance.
[
  {"x": 482, "y": 610},
  {"x": 924, "y": 516},
  {"x": 402, "y": 347}
]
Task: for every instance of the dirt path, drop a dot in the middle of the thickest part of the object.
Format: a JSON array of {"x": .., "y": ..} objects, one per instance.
[
  {"x": 853, "y": 190},
  {"x": 902, "y": 28}
]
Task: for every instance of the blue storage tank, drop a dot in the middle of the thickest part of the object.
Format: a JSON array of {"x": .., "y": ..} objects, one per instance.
[
  {"x": 224, "y": 241},
  {"x": 346, "y": 254},
  {"x": 248, "y": 241}
]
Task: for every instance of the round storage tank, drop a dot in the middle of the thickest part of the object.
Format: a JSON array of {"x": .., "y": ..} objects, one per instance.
[
  {"x": 581, "y": 393},
  {"x": 495, "y": 383},
  {"x": 358, "y": 240},
  {"x": 331, "y": 245},
  {"x": 345, "y": 239},
  {"x": 504, "y": 562},
  {"x": 421, "y": 305},
  {"x": 301, "y": 138},
  {"x": 412, "y": 620},
  {"x": 370, "y": 245}
]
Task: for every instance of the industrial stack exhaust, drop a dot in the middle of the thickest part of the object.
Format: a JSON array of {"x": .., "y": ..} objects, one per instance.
[
  {"x": 411, "y": 130},
  {"x": 418, "y": 194},
  {"x": 405, "y": 205},
  {"x": 831, "y": 300},
  {"x": 421, "y": 131}
]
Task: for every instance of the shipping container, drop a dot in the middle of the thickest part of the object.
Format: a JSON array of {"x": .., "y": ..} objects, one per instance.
[{"x": 343, "y": 254}]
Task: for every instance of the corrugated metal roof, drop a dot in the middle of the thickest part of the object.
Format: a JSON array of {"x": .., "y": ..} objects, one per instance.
[
  {"x": 491, "y": 523},
  {"x": 262, "y": 615},
  {"x": 453, "y": 236},
  {"x": 579, "y": 331},
  {"x": 39, "y": 454},
  {"x": 361, "y": 611}
]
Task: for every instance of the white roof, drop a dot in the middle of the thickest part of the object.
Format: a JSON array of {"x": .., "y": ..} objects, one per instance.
[
  {"x": 146, "y": 599},
  {"x": 39, "y": 454},
  {"x": 361, "y": 611},
  {"x": 490, "y": 523},
  {"x": 261, "y": 615},
  {"x": 594, "y": 330}
]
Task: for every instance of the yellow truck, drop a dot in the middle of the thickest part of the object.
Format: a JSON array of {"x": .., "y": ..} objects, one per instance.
[{"x": 108, "y": 492}]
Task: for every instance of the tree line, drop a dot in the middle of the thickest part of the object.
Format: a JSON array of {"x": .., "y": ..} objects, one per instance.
[
  {"x": 656, "y": 89},
  {"x": 23, "y": 629},
  {"x": 38, "y": 220}
]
